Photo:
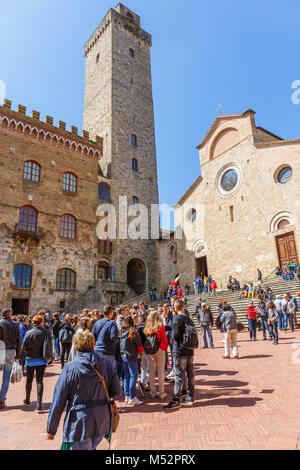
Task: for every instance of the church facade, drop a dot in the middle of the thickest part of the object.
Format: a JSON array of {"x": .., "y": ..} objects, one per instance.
[{"x": 243, "y": 212}]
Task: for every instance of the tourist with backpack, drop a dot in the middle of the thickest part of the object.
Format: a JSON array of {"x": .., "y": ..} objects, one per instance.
[
  {"x": 130, "y": 347},
  {"x": 156, "y": 345},
  {"x": 185, "y": 341}
]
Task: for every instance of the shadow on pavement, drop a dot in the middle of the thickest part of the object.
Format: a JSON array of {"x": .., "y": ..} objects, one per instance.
[{"x": 217, "y": 372}]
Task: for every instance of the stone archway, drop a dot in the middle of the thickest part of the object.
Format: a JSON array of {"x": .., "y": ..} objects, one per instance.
[{"x": 136, "y": 276}]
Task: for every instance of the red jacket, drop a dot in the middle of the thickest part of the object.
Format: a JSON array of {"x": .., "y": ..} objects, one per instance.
[
  {"x": 162, "y": 337},
  {"x": 179, "y": 293},
  {"x": 251, "y": 312},
  {"x": 213, "y": 285}
]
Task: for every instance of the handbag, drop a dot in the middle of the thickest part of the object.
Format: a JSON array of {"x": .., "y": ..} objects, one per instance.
[
  {"x": 114, "y": 412},
  {"x": 17, "y": 373},
  {"x": 47, "y": 349}
]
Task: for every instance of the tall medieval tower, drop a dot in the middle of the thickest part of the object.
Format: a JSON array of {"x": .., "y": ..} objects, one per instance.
[{"x": 118, "y": 106}]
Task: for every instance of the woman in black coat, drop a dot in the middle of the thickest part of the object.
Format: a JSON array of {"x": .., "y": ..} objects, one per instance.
[
  {"x": 37, "y": 342},
  {"x": 66, "y": 333}
]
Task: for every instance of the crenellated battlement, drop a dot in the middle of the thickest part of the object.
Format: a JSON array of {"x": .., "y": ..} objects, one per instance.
[
  {"x": 119, "y": 18},
  {"x": 45, "y": 131}
]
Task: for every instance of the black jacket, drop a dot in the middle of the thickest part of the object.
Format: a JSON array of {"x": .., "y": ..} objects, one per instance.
[
  {"x": 66, "y": 332},
  {"x": 10, "y": 335},
  {"x": 34, "y": 342},
  {"x": 130, "y": 347},
  {"x": 178, "y": 327},
  {"x": 55, "y": 328}
]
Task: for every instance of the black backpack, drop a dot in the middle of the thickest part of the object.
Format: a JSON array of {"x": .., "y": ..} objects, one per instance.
[
  {"x": 190, "y": 335},
  {"x": 151, "y": 345}
]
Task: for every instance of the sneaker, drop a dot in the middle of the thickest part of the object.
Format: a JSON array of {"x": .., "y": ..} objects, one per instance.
[
  {"x": 226, "y": 357},
  {"x": 173, "y": 404},
  {"x": 142, "y": 389},
  {"x": 184, "y": 393},
  {"x": 236, "y": 357},
  {"x": 163, "y": 396},
  {"x": 26, "y": 402},
  {"x": 2, "y": 405},
  {"x": 135, "y": 401},
  {"x": 126, "y": 399},
  {"x": 188, "y": 400},
  {"x": 38, "y": 408}
]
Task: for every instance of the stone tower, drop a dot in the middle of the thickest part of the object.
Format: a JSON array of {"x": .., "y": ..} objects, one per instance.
[{"x": 118, "y": 106}]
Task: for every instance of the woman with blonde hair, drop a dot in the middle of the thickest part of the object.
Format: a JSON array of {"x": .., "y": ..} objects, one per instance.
[
  {"x": 156, "y": 345},
  {"x": 80, "y": 392},
  {"x": 83, "y": 325}
]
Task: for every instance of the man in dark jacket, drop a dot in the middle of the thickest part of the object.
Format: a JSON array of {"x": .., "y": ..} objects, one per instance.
[
  {"x": 183, "y": 359},
  {"x": 106, "y": 335},
  {"x": 10, "y": 350}
]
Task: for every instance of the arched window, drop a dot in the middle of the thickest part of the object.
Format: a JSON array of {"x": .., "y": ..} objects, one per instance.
[
  {"x": 22, "y": 276},
  {"x": 65, "y": 279},
  {"x": 28, "y": 219},
  {"x": 133, "y": 140},
  {"x": 70, "y": 182},
  {"x": 68, "y": 226},
  {"x": 131, "y": 53},
  {"x": 134, "y": 164},
  {"x": 104, "y": 192},
  {"x": 97, "y": 58},
  {"x": 31, "y": 171},
  {"x": 135, "y": 201}
]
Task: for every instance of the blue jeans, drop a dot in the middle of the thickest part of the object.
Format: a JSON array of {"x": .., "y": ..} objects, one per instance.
[
  {"x": 130, "y": 377},
  {"x": 88, "y": 444},
  {"x": 273, "y": 331},
  {"x": 206, "y": 288},
  {"x": 280, "y": 320},
  {"x": 252, "y": 327},
  {"x": 7, "y": 368},
  {"x": 288, "y": 316},
  {"x": 206, "y": 329},
  {"x": 56, "y": 346},
  {"x": 264, "y": 326}
]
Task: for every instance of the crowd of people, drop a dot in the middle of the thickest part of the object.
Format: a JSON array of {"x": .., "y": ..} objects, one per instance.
[
  {"x": 205, "y": 284},
  {"x": 119, "y": 352}
]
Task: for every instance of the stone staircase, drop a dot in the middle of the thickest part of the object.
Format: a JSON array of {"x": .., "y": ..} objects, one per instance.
[{"x": 277, "y": 285}]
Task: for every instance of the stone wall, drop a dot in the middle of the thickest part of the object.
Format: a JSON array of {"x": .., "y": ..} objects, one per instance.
[{"x": 56, "y": 151}]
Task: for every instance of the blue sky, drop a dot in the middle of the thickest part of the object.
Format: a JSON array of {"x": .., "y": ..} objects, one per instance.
[{"x": 242, "y": 54}]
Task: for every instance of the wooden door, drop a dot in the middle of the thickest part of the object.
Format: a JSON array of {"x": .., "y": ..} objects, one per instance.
[
  {"x": 286, "y": 248},
  {"x": 201, "y": 266}
]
